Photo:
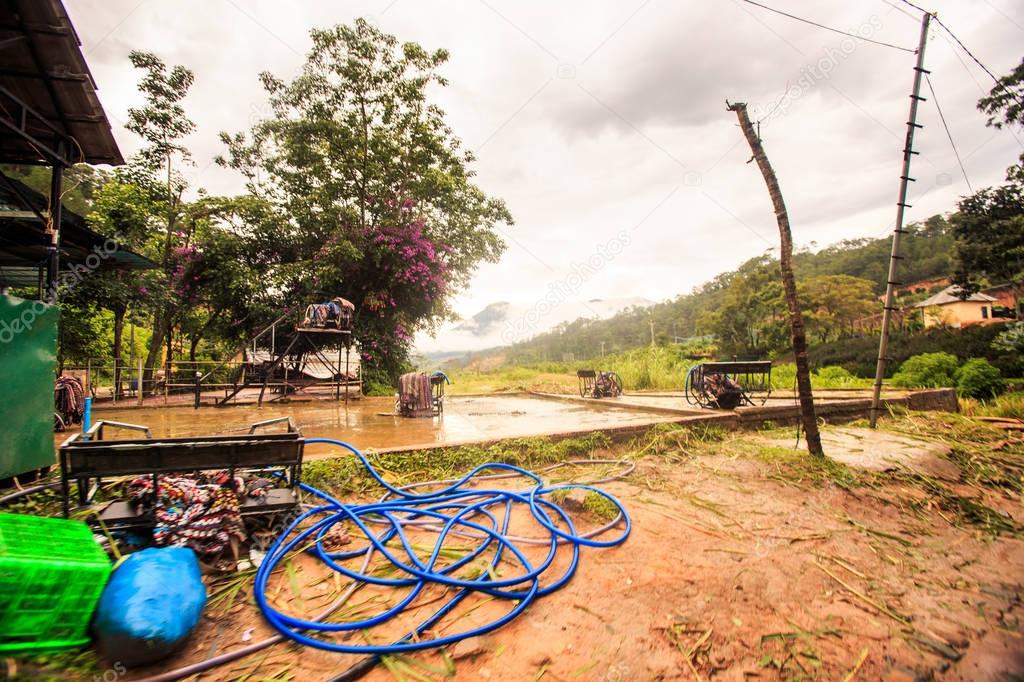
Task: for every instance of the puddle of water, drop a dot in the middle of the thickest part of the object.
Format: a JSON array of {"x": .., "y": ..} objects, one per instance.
[{"x": 360, "y": 423}]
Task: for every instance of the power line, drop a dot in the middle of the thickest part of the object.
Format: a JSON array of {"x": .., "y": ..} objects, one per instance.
[
  {"x": 918, "y": 8},
  {"x": 901, "y": 10},
  {"x": 970, "y": 54},
  {"x": 828, "y": 28},
  {"x": 952, "y": 144}
]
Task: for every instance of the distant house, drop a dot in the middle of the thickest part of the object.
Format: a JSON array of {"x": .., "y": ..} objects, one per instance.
[{"x": 947, "y": 309}]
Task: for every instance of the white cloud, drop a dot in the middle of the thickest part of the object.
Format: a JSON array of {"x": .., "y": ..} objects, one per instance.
[{"x": 641, "y": 118}]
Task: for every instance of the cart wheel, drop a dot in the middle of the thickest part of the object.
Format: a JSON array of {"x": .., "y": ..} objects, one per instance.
[{"x": 616, "y": 385}]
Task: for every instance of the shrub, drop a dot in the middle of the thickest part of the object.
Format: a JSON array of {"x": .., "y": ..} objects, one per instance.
[
  {"x": 860, "y": 353},
  {"x": 927, "y": 370},
  {"x": 375, "y": 388},
  {"x": 978, "y": 379},
  {"x": 1011, "y": 339},
  {"x": 836, "y": 377}
]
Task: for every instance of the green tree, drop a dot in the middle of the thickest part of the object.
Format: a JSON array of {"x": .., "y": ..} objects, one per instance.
[
  {"x": 162, "y": 123},
  {"x": 124, "y": 211},
  {"x": 989, "y": 234},
  {"x": 833, "y": 302},
  {"x": 1004, "y": 105},
  {"x": 361, "y": 168}
]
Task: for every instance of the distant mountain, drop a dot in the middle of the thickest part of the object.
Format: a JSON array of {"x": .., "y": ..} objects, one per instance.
[
  {"x": 503, "y": 323},
  {"x": 926, "y": 249}
]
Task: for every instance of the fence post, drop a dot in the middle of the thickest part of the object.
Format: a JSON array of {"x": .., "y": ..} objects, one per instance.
[
  {"x": 138, "y": 381},
  {"x": 199, "y": 376}
]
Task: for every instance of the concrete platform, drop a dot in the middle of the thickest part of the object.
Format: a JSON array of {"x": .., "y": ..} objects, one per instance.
[{"x": 368, "y": 424}]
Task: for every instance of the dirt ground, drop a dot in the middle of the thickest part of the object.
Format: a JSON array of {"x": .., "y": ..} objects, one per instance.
[{"x": 743, "y": 563}]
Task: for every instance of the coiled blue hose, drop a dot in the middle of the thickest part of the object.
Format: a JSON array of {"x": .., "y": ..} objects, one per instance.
[{"x": 454, "y": 509}]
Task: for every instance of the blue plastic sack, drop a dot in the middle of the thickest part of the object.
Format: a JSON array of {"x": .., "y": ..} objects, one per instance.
[{"x": 150, "y": 606}]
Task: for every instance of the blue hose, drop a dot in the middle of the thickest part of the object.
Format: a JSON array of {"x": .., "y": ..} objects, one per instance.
[{"x": 454, "y": 509}]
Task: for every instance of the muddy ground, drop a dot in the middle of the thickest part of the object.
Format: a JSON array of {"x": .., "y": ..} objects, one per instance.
[{"x": 746, "y": 561}]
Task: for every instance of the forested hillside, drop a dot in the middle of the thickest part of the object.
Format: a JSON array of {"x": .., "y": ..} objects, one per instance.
[{"x": 744, "y": 308}]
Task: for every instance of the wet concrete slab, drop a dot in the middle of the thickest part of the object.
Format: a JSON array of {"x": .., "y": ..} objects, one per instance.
[
  {"x": 370, "y": 424},
  {"x": 367, "y": 424}
]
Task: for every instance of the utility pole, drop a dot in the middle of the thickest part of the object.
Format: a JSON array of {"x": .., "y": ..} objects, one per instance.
[
  {"x": 796, "y": 316},
  {"x": 901, "y": 206}
]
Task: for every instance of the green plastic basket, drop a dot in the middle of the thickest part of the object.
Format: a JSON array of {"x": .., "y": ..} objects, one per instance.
[{"x": 51, "y": 575}]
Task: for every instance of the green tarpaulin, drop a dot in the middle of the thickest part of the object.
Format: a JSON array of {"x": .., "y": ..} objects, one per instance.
[{"x": 28, "y": 357}]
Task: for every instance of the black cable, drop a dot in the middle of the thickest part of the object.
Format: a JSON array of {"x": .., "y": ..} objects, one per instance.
[
  {"x": 918, "y": 7},
  {"x": 900, "y": 10},
  {"x": 970, "y": 54},
  {"x": 828, "y": 28},
  {"x": 952, "y": 144}
]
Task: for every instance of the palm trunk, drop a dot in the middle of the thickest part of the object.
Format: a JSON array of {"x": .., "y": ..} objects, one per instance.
[{"x": 796, "y": 319}]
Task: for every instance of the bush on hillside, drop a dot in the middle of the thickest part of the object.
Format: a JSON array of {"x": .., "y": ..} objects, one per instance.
[
  {"x": 978, "y": 379},
  {"x": 927, "y": 370},
  {"x": 859, "y": 354},
  {"x": 1011, "y": 339},
  {"x": 835, "y": 377}
]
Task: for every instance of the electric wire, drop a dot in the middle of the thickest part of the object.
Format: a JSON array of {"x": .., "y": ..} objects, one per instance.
[
  {"x": 829, "y": 28},
  {"x": 952, "y": 144},
  {"x": 970, "y": 54}
]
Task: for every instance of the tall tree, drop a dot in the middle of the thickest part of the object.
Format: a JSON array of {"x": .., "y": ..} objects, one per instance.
[
  {"x": 162, "y": 124},
  {"x": 796, "y": 318},
  {"x": 374, "y": 193},
  {"x": 1004, "y": 105},
  {"x": 834, "y": 302},
  {"x": 124, "y": 211},
  {"x": 989, "y": 238}
]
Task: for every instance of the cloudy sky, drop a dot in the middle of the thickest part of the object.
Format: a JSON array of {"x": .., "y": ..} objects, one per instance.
[{"x": 603, "y": 124}]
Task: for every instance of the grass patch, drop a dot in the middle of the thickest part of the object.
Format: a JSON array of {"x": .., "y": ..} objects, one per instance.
[
  {"x": 341, "y": 475},
  {"x": 1008, "y": 405},
  {"x": 600, "y": 506},
  {"x": 661, "y": 368}
]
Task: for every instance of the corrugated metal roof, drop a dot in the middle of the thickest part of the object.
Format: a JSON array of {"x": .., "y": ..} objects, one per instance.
[
  {"x": 949, "y": 295},
  {"x": 41, "y": 64},
  {"x": 24, "y": 241}
]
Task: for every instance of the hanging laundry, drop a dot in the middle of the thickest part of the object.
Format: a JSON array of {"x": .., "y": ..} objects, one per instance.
[
  {"x": 415, "y": 398},
  {"x": 68, "y": 402}
]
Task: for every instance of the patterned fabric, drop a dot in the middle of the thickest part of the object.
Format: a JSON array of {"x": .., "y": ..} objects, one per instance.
[
  {"x": 69, "y": 399},
  {"x": 189, "y": 513},
  {"x": 415, "y": 398}
]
